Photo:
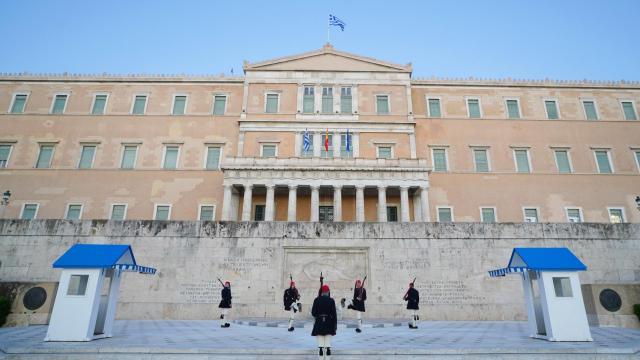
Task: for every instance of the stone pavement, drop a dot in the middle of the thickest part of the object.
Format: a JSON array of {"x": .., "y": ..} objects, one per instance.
[{"x": 269, "y": 339}]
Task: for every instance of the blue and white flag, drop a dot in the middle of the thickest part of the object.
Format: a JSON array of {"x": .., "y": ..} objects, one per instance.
[
  {"x": 337, "y": 22},
  {"x": 348, "y": 142},
  {"x": 306, "y": 141}
]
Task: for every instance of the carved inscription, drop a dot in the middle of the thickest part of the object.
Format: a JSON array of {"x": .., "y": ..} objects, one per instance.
[
  {"x": 241, "y": 264},
  {"x": 406, "y": 264},
  {"x": 203, "y": 292},
  {"x": 443, "y": 292}
]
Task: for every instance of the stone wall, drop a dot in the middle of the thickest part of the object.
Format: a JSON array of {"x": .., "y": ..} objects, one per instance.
[{"x": 450, "y": 262}]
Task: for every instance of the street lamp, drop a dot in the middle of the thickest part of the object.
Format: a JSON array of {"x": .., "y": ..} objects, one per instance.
[
  {"x": 638, "y": 202},
  {"x": 5, "y": 198}
]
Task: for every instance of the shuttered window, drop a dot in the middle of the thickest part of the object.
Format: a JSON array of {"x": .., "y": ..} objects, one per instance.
[
  {"x": 382, "y": 104},
  {"x": 481, "y": 160},
  {"x": 269, "y": 150},
  {"x": 522, "y": 161},
  {"x": 5, "y": 151},
  {"x": 602, "y": 160},
  {"x": 574, "y": 215},
  {"x": 440, "y": 160},
  {"x": 323, "y": 150},
  {"x": 139, "y": 105},
  {"x": 434, "y": 108},
  {"x": 629, "y": 111},
  {"x": 258, "y": 214},
  {"x": 473, "y": 106},
  {"x": 86, "y": 157},
  {"x": 513, "y": 110},
  {"x": 129, "y": 157},
  {"x": 445, "y": 215},
  {"x": 179, "y": 104},
  {"x": 308, "y": 101},
  {"x": 552, "y": 109},
  {"x": 638, "y": 158},
  {"x": 162, "y": 212},
  {"x": 327, "y": 100},
  {"x": 59, "y": 104},
  {"x": 29, "y": 211},
  {"x": 19, "y": 102},
  {"x": 616, "y": 216},
  {"x": 171, "y": 157},
  {"x": 392, "y": 214},
  {"x": 384, "y": 152},
  {"x": 488, "y": 215},
  {"x": 562, "y": 161},
  {"x": 118, "y": 212},
  {"x": 590, "y": 110},
  {"x": 99, "y": 104},
  {"x": 74, "y": 211},
  {"x": 531, "y": 215},
  {"x": 206, "y": 212},
  {"x": 219, "y": 104},
  {"x": 272, "y": 103},
  {"x": 44, "y": 157},
  {"x": 345, "y": 139},
  {"x": 213, "y": 157},
  {"x": 346, "y": 106}
]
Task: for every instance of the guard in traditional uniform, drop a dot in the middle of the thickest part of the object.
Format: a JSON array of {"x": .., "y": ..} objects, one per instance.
[
  {"x": 291, "y": 298},
  {"x": 326, "y": 322},
  {"x": 225, "y": 305},
  {"x": 357, "y": 303},
  {"x": 412, "y": 297}
]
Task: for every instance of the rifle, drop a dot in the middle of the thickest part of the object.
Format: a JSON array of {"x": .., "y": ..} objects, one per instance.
[
  {"x": 361, "y": 288},
  {"x": 407, "y": 293},
  {"x": 221, "y": 282},
  {"x": 321, "y": 283}
]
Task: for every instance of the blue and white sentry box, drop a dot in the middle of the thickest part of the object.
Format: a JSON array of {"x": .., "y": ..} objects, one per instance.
[
  {"x": 85, "y": 305},
  {"x": 552, "y": 292}
]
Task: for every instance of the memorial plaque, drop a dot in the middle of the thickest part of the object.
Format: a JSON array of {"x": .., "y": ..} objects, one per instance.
[
  {"x": 34, "y": 298},
  {"x": 610, "y": 300}
]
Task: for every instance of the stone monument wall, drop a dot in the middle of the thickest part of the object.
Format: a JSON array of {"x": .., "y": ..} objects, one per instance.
[{"x": 450, "y": 262}]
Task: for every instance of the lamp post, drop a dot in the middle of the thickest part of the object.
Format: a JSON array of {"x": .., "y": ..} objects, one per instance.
[
  {"x": 638, "y": 202},
  {"x": 5, "y": 202}
]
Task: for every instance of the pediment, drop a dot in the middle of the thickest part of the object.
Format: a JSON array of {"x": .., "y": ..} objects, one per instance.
[{"x": 327, "y": 59}]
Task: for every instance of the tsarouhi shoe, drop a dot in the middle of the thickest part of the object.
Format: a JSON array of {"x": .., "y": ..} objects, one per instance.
[
  {"x": 227, "y": 325},
  {"x": 358, "y": 330},
  {"x": 342, "y": 302},
  {"x": 290, "y": 329}
]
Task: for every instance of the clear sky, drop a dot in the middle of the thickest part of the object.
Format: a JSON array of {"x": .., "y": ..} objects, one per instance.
[{"x": 558, "y": 39}]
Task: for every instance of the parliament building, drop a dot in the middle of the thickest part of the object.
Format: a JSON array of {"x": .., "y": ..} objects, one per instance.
[{"x": 323, "y": 136}]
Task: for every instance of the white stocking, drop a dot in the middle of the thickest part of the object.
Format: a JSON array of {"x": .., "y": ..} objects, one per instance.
[
  {"x": 359, "y": 317},
  {"x": 224, "y": 316}
]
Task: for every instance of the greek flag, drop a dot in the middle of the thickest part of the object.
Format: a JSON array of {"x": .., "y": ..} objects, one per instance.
[
  {"x": 337, "y": 22},
  {"x": 306, "y": 141},
  {"x": 348, "y": 142}
]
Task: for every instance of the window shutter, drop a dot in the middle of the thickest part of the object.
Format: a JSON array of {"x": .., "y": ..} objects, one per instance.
[
  {"x": 86, "y": 158},
  {"x": 117, "y": 212},
  {"x": 602, "y": 157},
  {"x": 18, "y": 104},
  {"x": 512, "y": 109},
  {"x": 206, "y": 213},
  {"x": 213, "y": 157},
  {"x": 474, "y": 108},
  {"x": 444, "y": 215},
  {"x": 219, "y": 103},
  {"x": 522, "y": 161},
  {"x": 562, "y": 159},
  {"x": 439, "y": 160},
  {"x": 482, "y": 162},
  {"x": 434, "y": 108},
  {"x": 44, "y": 158},
  {"x": 179, "y": 103},
  {"x": 59, "y": 103},
  {"x": 139, "y": 104},
  {"x": 99, "y": 104},
  {"x": 590, "y": 110},
  {"x": 171, "y": 157},
  {"x": 552, "y": 109},
  {"x": 29, "y": 211},
  {"x": 488, "y": 215},
  {"x": 629, "y": 111},
  {"x": 73, "y": 213}
]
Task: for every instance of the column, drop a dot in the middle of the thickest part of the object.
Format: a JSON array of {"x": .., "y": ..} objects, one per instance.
[
  {"x": 293, "y": 203},
  {"x": 268, "y": 209},
  {"x": 412, "y": 145},
  {"x": 404, "y": 203},
  {"x": 315, "y": 203},
  {"x": 360, "y": 203},
  {"x": 382, "y": 203},
  {"x": 246, "y": 203},
  {"x": 337, "y": 203},
  {"x": 424, "y": 203},
  {"x": 226, "y": 203}
]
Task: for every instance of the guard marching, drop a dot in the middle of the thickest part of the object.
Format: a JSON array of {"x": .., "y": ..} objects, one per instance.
[
  {"x": 291, "y": 298},
  {"x": 326, "y": 322},
  {"x": 412, "y": 297},
  {"x": 357, "y": 303},
  {"x": 225, "y": 304}
]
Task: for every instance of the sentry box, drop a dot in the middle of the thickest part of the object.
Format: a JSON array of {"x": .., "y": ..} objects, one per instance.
[
  {"x": 85, "y": 304},
  {"x": 555, "y": 309}
]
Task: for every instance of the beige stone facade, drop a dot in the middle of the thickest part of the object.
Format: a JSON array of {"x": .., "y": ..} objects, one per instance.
[{"x": 537, "y": 168}]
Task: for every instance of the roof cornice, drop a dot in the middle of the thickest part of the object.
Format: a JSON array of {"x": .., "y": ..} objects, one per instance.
[
  {"x": 509, "y": 82},
  {"x": 105, "y": 77}
]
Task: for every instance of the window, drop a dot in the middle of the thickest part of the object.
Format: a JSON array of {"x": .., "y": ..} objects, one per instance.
[
  {"x": 179, "y": 105},
  {"x": 603, "y": 161},
  {"x": 269, "y": 150},
  {"x": 139, "y": 105},
  {"x": 434, "y": 107},
  {"x": 439, "y": 160},
  {"x": 29, "y": 211},
  {"x": 445, "y": 214},
  {"x": 326, "y": 150},
  {"x": 385, "y": 152},
  {"x": 258, "y": 214},
  {"x": 616, "y": 215},
  {"x": 207, "y": 213},
  {"x": 118, "y": 212},
  {"x": 513, "y": 109},
  {"x": 5, "y": 152},
  {"x": 18, "y": 104},
  {"x": 392, "y": 213},
  {"x": 346, "y": 106},
  {"x": 629, "y": 110},
  {"x": 590, "y": 111},
  {"x": 99, "y": 104},
  {"x": 481, "y": 160},
  {"x": 163, "y": 212},
  {"x": 86, "y": 157},
  {"x": 271, "y": 106},
  {"x": 307, "y": 150},
  {"x": 382, "y": 104},
  {"x": 346, "y": 145},
  {"x": 325, "y": 214},
  {"x": 74, "y": 212},
  {"x": 473, "y": 108},
  {"x": 219, "y": 104},
  {"x": 522, "y": 160},
  {"x": 308, "y": 100},
  {"x": 574, "y": 215},
  {"x": 129, "y": 155},
  {"x": 171, "y": 154},
  {"x": 562, "y": 161},
  {"x": 59, "y": 104},
  {"x": 327, "y": 100},
  {"x": 552, "y": 109},
  {"x": 213, "y": 158},
  {"x": 531, "y": 215},
  {"x": 44, "y": 156},
  {"x": 77, "y": 285},
  {"x": 637, "y": 152},
  {"x": 488, "y": 215},
  {"x": 562, "y": 286}
]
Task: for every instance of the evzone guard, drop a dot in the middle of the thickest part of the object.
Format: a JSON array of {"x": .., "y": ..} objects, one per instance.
[
  {"x": 412, "y": 297},
  {"x": 291, "y": 298},
  {"x": 357, "y": 303},
  {"x": 326, "y": 322},
  {"x": 225, "y": 304}
]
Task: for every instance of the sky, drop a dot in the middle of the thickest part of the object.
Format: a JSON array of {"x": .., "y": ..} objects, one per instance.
[{"x": 536, "y": 39}]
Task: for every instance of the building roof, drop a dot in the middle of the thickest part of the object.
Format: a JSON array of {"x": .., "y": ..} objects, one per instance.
[
  {"x": 540, "y": 259},
  {"x": 100, "y": 256}
]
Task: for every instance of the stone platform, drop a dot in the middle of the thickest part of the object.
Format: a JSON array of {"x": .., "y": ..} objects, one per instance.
[{"x": 171, "y": 339}]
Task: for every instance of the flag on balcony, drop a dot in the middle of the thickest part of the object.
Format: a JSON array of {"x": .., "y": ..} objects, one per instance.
[
  {"x": 306, "y": 140},
  {"x": 326, "y": 141},
  {"x": 348, "y": 142}
]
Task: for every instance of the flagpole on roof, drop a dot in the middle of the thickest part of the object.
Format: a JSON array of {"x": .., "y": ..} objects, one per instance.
[{"x": 328, "y": 27}]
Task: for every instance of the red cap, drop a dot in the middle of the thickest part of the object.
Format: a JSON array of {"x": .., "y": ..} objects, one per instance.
[
  {"x": 293, "y": 284},
  {"x": 411, "y": 284},
  {"x": 227, "y": 283},
  {"x": 325, "y": 288},
  {"x": 358, "y": 282}
]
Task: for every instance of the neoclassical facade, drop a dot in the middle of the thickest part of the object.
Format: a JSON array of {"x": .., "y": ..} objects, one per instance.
[{"x": 321, "y": 136}]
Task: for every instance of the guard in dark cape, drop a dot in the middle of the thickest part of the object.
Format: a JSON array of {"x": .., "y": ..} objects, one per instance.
[
  {"x": 326, "y": 322},
  {"x": 225, "y": 305},
  {"x": 291, "y": 298},
  {"x": 412, "y": 297},
  {"x": 357, "y": 303}
]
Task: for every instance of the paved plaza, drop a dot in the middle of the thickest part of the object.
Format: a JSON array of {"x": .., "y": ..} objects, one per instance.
[{"x": 269, "y": 339}]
